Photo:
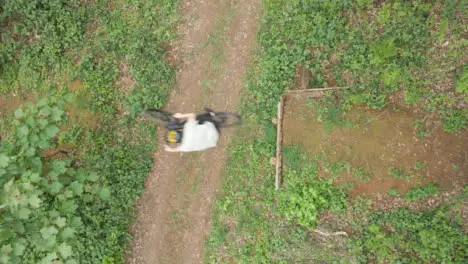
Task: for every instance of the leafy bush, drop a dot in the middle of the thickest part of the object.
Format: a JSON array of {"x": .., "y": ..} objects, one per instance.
[
  {"x": 41, "y": 199},
  {"x": 402, "y": 236},
  {"x": 455, "y": 119},
  {"x": 423, "y": 192},
  {"x": 305, "y": 196}
]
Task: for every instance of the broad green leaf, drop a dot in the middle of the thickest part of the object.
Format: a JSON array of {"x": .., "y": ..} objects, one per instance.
[
  {"x": 34, "y": 201},
  {"x": 92, "y": 176},
  {"x": 43, "y": 144},
  {"x": 42, "y": 102},
  {"x": 77, "y": 188},
  {"x": 6, "y": 249},
  {"x": 55, "y": 187},
  {"x": 4, "y": 160},
  {"x": 76, "y": 222},
  {"x": 45, "y": 111},
  {"x": 56, "y": 114},
  {"x": 48, "y": 232},
  {"x": 34, "y": 178},
  {"x": 88, "y": 198},
  {"x": 54, "y": 214},
  {"x": 67, "y": 233},
  {"x": 19, "y": 246},
  {"x": 51, "y": 130},
  {"x": 42, "y": 123},
  {"x": 49, "y": 259},
  {"x": 71, "y": 261},
  {"x": 61, "y": 222},
  {"x": 31, "y": 122},
  {"x": 19, "y": 113},
  {"x": 59, "y": 166},
  {"x": 104, "y": 194},
  {"x": 68, "y": 97},
  {"x": 68, "y": 207},
  {"x": 24, "y": 213},
  {"x": 65, "y": 250},
  {"x": 23, "y": 130}
]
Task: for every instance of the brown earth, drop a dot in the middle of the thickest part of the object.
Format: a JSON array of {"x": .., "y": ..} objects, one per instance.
[
  {"x": 174, "y": 213},
  {"x": 377, "y": 141}
]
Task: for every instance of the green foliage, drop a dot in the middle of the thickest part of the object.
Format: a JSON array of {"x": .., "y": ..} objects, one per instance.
[
  {"x": 422, "y": 192},
  {"x": 304, "y": 202},
  {"x": 36, "y": 36},
  {"x": 462, "y": 82},
  {"x": 305, "y": 196},
  {"x": 402, "y": 236},
  {"x": 393, "y": 192},
  {"x": 49, "y": 42},
  {"x": 399, "y": 173},
  {"x": 421, "y": 129},
  {"x": 41, "y": 199},
  {"x": 455, "y": 119}
]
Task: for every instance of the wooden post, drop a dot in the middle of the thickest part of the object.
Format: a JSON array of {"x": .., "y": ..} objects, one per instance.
[{"x": 279, "y": 142}]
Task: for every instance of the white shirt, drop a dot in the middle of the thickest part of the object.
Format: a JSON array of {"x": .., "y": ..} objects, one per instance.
[{"x": 198, "y": 137}]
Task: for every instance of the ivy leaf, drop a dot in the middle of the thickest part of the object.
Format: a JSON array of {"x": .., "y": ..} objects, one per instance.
[
  {"x": 76, "y": 222},
  {"x": 18, "y": 247},
  {"x": 19, "y": 113},
  {"x": 23, "y": 130},
  {"x": 23, "y": 213},
  {"x": 104, "y": 194},
  {"x": 67, "y": 233},
  {"x": 61, "y": 222},
  {"x": 34, "y": 178},
  {"x": 77, "y": 188},
  {"x": 71, "y": 261},
  {"x": 42, "y": 102},
  {"x": 55, "y": 187},
  {"x": 93, "y": 176},
  {"x": 34, "y": 201},
  {"x": 49, "y": 258},
  {"x": 65, "y": 250},
  {"x": 59, "y": 166},
  {"x": 68, "y": 97},
  {"x": 42, "y": 123},
  {"x": 68, "y": 207},
  {"x": 56, "y": 114},
  {"x": 48, "y": 232},
  {"x": 51, "y": 131},
  {"x": 45, "y": 111},
  {"x": 88, "y": 198},
  {"x": 4, "y": 160}
]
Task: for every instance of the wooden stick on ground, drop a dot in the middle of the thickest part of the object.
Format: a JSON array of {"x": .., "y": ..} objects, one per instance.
[{"x": 279, "y": 141}]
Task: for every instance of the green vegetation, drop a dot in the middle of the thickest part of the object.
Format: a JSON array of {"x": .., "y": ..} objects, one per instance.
[
  {"x": 423, "y": 192},
  {"x": 71, "y": 168},
  {"x": 381, "y": 51},
  {"x": 408, "y": 237}
]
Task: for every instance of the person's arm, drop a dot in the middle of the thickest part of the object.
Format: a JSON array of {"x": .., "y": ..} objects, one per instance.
[
  {"x": 171, "y": 149},
  {"x": 189, "y": 116}
]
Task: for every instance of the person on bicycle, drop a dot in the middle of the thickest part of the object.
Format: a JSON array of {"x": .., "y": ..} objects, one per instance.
[{"x": 199, "y": 133}]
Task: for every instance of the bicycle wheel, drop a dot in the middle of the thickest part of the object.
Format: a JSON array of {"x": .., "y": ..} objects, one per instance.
[
  {"x": 227, "y": 119},
  {"x": 159, "y": 116}
]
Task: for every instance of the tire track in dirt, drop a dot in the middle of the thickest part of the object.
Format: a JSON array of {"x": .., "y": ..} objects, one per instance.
[{"x": 174, "y": 212}]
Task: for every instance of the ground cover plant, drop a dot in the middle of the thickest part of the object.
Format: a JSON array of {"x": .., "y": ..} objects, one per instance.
[
  {"x": 74, "y": 76},
  {"x": 398, "y": 58}
]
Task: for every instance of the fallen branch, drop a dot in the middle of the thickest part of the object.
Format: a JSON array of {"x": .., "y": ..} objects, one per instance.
[
  {"x": 374, "y": 118},
  {"x": 339, "y": 233}
]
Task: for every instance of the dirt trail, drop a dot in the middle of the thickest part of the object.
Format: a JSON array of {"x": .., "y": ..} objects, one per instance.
[{"x": 174, "y": 213}]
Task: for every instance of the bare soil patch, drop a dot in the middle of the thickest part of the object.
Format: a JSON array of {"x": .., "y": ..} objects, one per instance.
[{"x": 379, "y": 150}]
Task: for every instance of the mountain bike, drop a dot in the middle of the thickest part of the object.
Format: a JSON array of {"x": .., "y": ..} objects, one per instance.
[{"x": 165, "y": 118}]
